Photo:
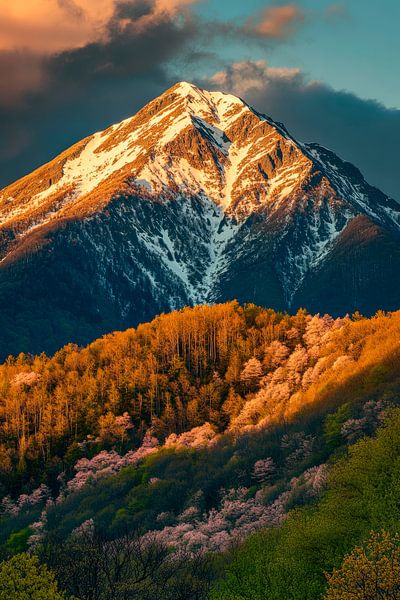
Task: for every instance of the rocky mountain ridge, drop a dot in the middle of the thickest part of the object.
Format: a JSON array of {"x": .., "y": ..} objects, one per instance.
[{"x": 195, "y": 199}]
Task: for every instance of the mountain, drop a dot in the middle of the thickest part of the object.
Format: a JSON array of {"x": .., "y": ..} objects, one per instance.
[{"x": 197, "y": 198}]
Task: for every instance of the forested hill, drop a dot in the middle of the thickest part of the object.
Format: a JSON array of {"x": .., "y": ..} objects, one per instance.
[
  {"x": 191, "y": 433},
  {"x": 230, "y": 366}
]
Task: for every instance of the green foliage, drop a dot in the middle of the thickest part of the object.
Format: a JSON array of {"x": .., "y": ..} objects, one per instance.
[
  {"x": 17, "y": 541},
  {"x": 363, "y": 494},
  {"x": 23, "y": 578},
  {"x": 377, "y": 374},
  {"x": 11, "y": 524},
  {"x": 333, "y": 425},
  {"x": 248, "y": 575}
]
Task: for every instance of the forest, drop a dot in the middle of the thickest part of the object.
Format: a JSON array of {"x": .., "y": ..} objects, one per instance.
[{"x": 218, "y": 452}]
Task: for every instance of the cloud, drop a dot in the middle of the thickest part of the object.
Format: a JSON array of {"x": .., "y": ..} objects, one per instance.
[
  {"x": 53, "y": 26},
  {"x": 276, "y": 22},
  {"x": 21, "y": 72},
  {"x": 71, "y": 8},
  {"x": 172, "y": 6},
  {"x": 44, "y": 42},
  {"x": 50, "y": 26},
  {"x": 118, "y": 62},
  {"x": 247, "y": 77},
  {"x": 71, "y": 67},
  {"x": 362, "y": 131}
]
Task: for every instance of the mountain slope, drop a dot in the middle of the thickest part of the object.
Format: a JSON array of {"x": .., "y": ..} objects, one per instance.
[
  {"x": 197, "y": 198},
  {"x": 203, "y": 427}
]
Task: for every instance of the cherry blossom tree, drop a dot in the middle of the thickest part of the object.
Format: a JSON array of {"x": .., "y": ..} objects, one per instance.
[
  {"x": 263, "y": 470},
  {"x": 25, "y": 501},
  {"x": 107, "y": 463},
  {"x": 297, "y": 363},
  {"x": 299, "y": 446},
  {"x": 195, "y": 438}
]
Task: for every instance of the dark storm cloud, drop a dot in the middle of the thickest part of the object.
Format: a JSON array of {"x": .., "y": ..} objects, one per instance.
[
  {"x": 75, "y": 92},
  {"x": 362, "y": 131},
  {"x": 130, "y": 51},
  {"x": 21, "y": 73},
  {"x": 133, "y": 11}
]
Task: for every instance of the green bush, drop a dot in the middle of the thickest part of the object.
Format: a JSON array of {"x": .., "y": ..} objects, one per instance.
[{"x": 22, "y": 577}]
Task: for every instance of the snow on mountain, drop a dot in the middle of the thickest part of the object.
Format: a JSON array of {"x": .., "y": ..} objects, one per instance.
[{"x": 196, "y": 198}]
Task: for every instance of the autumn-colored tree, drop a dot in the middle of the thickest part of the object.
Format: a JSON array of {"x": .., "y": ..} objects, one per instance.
[
  {"x": 5, "y": 459},
  {"x": 233, "y": 404},
  {"x": 252, "y": 370},
  {"x": 275, "y": 354},
  {"x": 177, "y": 372},
  {"x": 369, "y": 572},
  {"x": 232, "y": 374},
  {"x": 113, "y": 428}
]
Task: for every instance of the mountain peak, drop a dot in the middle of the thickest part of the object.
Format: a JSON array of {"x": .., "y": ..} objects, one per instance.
[
  {"x": 196, "y": 198},
  {"x": 184, "y": 88},
  {"x": 189, "y": 141},
  {"x": 200, "y": 99}
]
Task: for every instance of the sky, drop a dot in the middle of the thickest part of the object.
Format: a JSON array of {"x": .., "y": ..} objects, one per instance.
[{"x": 327, "y": 69}]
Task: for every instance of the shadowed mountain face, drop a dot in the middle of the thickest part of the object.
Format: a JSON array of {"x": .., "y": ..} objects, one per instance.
[{"x": 197, "y": 198}]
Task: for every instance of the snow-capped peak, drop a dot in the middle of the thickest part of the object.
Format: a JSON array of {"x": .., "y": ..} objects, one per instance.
[
  {"x": 189, "y": 140},
  {"x": 222, "y": 162}
]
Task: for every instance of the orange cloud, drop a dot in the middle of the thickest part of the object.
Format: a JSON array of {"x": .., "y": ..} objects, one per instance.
[
  {"x": 52, "y": 26},
  {"x": 49, "y": 26},
  {"x": 172, "y": 6},
  {"x": 277, "y": 21}
]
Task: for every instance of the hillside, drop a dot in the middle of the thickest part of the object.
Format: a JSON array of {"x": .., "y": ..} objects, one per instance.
[
  {"x": 197, "y": 198},
  {"x": 194, "y": 431}
]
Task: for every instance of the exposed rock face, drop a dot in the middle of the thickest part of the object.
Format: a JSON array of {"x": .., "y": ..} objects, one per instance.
[{"x": 197, "y": 198}]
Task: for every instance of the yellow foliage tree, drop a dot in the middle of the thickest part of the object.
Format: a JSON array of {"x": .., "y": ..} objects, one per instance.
[{"x": 369, "y": 572}]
